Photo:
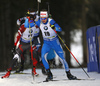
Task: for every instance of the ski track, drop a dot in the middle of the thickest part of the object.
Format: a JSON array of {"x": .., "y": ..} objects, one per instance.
[{"x": 59, "y": 74}]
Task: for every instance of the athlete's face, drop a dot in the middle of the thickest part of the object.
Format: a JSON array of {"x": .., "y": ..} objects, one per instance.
[{"x": 44, "y": 19}]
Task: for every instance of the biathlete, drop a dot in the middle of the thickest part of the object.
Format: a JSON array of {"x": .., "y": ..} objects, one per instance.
[
  {"x": 49, "y": 28},
  {"x": 24, "y": 35},
  {"x": 20, "y": 21}
]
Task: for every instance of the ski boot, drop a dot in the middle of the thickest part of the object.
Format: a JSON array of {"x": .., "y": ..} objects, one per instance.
[
  {"x": 7, "y": 74},
  {"x": 20, "y": 70},
  {"x": 34, "y": 72},
  {"x": 70, "y": 76},
  {"x": 44, "y": 71},
  {"x": 49, "y": 75},
  {"x": 43, "y": 68}
]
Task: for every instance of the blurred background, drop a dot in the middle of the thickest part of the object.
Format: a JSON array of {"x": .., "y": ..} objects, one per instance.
[{"x": 74, "y": 17}]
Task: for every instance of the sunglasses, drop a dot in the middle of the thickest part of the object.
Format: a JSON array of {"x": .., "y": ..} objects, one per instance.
[{"x": 43, "y": 18}]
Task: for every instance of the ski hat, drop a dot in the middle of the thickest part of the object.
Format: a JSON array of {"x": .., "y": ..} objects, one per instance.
[{"x": 43, "y": 14}]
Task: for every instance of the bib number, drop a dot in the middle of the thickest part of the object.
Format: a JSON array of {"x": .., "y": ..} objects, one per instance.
[
  {"x": 30, "y": 35},
  {"x": 47, "y": 33}
]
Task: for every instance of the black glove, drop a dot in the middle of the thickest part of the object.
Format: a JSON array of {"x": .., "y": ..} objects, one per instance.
[{"x": 52, "y": 26}]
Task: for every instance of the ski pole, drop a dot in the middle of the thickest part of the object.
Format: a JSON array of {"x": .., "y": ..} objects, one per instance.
[
  {"x": 48, "y": 7},
  {"x": 39, "y": 1},
  {"x": 31, "y": 46},
  {"x": 72, "y": 55}
]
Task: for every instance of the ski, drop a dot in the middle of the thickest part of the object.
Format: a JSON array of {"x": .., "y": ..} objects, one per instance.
[
  {"x": 20, "y": 73},
  {"x": 86, "y": 79},
  {"x": 26, "y": 74},
  {"x": 81, "y": 79},
  {"x": 15, "y": 73},
  {"x": 50, "y": 80},
  {"x": 43, "y": 81},
  {"x": 64, "y": 80}
]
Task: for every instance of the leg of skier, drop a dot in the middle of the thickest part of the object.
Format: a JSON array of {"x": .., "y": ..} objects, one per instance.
[
  {"x": 16, "y": 58},
  {"x": 21, "y": 67},
  {"x": 40, "y": 62},
  {"x": 51, "y": 58},
  {"x": 45, "y": 49},
  {"x": 22, "y": 47},
  {"x": 13, "y": 62},
  {"x": 34, "y": 61},
  {"x": 37, "y": 43},
  {"x": 59, "y": 51}
]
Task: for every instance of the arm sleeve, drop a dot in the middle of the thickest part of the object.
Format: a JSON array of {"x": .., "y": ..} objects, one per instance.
[
  {"x": 26, "y": 23},
  {"x": 20, "y": 31},
  {"x": 20, "y": 20},
  {"x": 58, "y": 28}
]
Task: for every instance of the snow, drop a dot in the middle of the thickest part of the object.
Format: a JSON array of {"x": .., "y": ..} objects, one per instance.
[{"x": 59, "y": 74}]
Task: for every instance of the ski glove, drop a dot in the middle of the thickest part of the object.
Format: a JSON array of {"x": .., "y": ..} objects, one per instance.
[{"x": 53, "y": 27}]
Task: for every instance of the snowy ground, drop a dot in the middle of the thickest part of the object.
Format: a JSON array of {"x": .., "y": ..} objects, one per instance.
[{"x": 59, "y": 74}]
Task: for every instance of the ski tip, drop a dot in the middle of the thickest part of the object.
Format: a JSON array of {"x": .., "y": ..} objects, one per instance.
[
  {"x": 91, "y": 78},
  {"x": 86, "y": 79}
]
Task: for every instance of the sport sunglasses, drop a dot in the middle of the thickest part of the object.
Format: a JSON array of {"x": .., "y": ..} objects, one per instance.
[{"x": 43, "y": 18}]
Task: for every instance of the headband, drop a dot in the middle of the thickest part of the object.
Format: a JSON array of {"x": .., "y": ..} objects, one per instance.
[{"x": 43, "y": 14}]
